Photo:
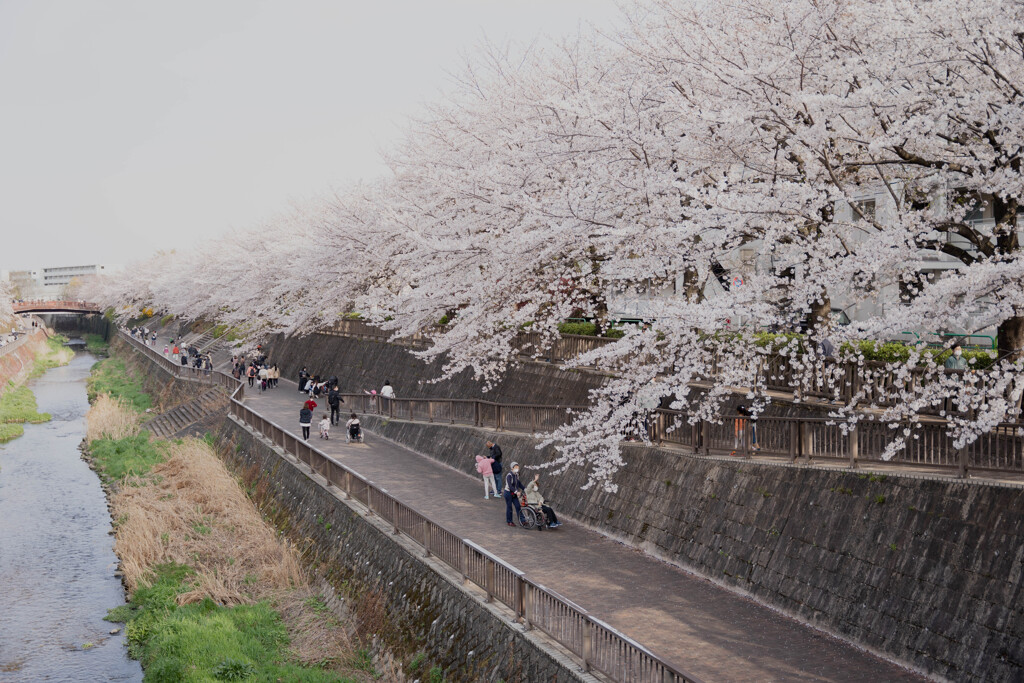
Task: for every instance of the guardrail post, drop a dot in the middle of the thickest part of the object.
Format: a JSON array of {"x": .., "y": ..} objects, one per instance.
[
  {"x": 394, "y": 517},
  {"x": 705, "y": 436},
  {"x": 588, "y": 644},
  {"x": 746, "y": 422},
  {"x": 426, "y": 538},
  {"x": 476, "y": 413},
  {"x": 854, "y": 447},
  {"x": 794, "y": 440},
  {"x": 490, "y": 579},
  {"x": 517, "y": 597},
  {"x": 525, "y": 593},
  {"x": 961, "y": 469},
  {"x": 464, "y": 561}
]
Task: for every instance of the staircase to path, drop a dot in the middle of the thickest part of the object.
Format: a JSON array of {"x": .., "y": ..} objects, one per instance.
[{"x": 184, "y": 416}]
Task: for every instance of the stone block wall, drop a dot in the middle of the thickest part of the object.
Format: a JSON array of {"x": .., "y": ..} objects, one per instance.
[
  {"x": 362, "y": 365},
  {"x": 926, "y": 571},
  {"x": 419, "y": 609}
]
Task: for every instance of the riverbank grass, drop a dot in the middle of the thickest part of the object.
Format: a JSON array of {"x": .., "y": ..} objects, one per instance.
[
  {"x": 110, "y": 376},
  {"x": 53, "y": 355},
  {"x": 204, "y": 641},
  {"x": 216, "y": 594},
  {"x": 96, "y": 344},
  {"x": 18, "y": 406}
]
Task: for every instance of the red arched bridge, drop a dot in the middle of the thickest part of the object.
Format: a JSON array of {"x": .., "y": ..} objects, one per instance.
[{"x": 56, "y": 307}]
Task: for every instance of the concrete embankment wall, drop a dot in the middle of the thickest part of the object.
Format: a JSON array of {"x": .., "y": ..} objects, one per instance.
[
  {"x": 926, "y": 571},
  {"x": 166, "y": 391},
  {"x": 93, "y": 323},
  {"x": 362, "y": 365},
  {"x": 17, "y": 362},
  {"x": 416, "y": 604}
]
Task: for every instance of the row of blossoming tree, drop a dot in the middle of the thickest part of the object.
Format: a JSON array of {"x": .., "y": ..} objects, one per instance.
[{"x": 553, "y": 177}]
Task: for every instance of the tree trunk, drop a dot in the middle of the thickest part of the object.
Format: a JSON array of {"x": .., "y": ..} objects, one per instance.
[
  {"x": 1010, "y": 337},
  {"x": 821, "y": 312},
  {"x": 1010, "y": 334}
]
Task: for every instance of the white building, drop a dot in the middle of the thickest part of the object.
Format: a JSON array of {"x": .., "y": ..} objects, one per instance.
[{"x": 50, "y": 282}]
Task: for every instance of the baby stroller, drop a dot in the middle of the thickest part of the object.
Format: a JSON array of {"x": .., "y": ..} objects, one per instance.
[{"x": 355, "y": 434}]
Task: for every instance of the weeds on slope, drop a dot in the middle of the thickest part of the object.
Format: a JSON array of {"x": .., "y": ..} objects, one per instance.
[
  {"x": 110, "y": 376},
  {"x": 216, "y": 594}
]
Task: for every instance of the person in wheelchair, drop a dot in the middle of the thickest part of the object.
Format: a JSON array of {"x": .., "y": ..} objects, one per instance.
[
  {"x": 535, "y": 500},
  {"x": 354, "y": 431}
]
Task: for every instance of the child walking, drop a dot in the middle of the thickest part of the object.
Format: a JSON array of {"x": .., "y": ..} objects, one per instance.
[
  {"x": 483, "y": 466},
  {"x": 325, "y": 428}
]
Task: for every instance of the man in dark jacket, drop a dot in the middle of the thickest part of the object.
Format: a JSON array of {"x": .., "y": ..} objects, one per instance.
[
  {"x": 334, "y": 400},
  {"x": 495, "y": 454},
  {"x": 303, "y": 377}
]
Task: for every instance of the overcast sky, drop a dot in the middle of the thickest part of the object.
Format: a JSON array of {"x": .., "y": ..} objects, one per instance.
[{"x": 127, "y": 127}]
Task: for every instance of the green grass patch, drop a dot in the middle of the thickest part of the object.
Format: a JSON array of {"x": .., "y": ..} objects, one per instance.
[
  {"x": 110, "y": 376},
  {"x": 18, "y": 405},
  {"x": 55, "y": 355},
  {"x": 96, "y": 344},
  {"x": 10, "y": 431},
  {"x": 116, "y": 458},
  {"x": 205, "y": 641}
]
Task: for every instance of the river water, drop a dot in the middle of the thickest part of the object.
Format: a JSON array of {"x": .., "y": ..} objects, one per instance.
[{"x": 56, "y": 555}]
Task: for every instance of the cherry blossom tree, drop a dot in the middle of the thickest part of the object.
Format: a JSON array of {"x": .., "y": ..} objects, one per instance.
[{"x": 817, "y": 150}]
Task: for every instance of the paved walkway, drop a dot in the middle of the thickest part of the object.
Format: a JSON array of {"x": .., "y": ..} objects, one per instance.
[{"x": 705, "y": 629}]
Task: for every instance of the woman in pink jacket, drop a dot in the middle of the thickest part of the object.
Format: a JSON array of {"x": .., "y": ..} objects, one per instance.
[{"x": 483, "y": 466}]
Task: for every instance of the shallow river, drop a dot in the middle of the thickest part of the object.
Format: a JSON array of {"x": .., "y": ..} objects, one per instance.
[{"x": 56, "y": 558}]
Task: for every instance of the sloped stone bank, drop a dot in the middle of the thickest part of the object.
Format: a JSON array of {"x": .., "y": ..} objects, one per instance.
[
  {"x": 396, "y": 594},
  {"x": 362, "y": 365},
  {"x": 925, "y": 571}
]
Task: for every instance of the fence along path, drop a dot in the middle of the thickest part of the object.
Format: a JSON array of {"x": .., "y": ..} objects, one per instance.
[
  {"x": 998, "y": 452},
  {"x": 692, "y": 624}
]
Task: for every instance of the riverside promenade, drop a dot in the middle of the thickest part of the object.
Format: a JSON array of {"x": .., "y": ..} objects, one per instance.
[{"x": 689, "y": 621}]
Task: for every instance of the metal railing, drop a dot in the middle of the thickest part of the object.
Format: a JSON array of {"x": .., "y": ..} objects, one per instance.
[
  {"x": 599, "y": 646},
  {"x": 22, "y": 338},
  {"x": 42, "y": 305},
  {"x": 800, "y": 439},
  {"x": 873, "y": 382}
]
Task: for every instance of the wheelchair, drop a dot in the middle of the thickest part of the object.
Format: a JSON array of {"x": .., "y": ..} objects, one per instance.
[
  {"x": 354, "y": 434},
  {"x": 533, "y": 516}
]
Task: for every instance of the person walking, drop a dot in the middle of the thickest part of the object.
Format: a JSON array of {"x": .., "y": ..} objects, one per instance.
[
  {"x": 174, "y": 353},
  {"x": 310, "y": 403},
  {"x": 387, "y": 392},
  {"x": 305, "y": 421},
  {"x": 533, "y": 497},
  {"x": 251, "y": 374},
  {"x": 511, "y": 492},
  {"x": 264, "y": 376},
  {"x": 483, "y": 466},
  {"x": 275, "y": 375},
  {"x": 495, "y": 455},
  {"x": 166, "y": 350},
  {"x": 334, "y": 400},
  {"x": 303, "y": 378},
  {"x": 184, "y": 361}
]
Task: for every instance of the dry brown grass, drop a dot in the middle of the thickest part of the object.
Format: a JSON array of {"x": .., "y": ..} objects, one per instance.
[
  {"x": 110, "y": 418},
  {"x": 191, "y": 510}
]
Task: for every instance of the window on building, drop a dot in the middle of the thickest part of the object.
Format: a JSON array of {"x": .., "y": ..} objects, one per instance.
[{"x": 866, "y": 208}]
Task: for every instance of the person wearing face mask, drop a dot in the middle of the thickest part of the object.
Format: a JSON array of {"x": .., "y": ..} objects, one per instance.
[
  {"x": 511, "y": 492},
  {"x": 957, "y": 360}
]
